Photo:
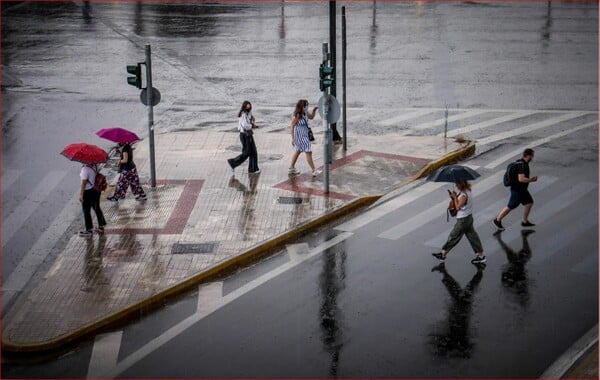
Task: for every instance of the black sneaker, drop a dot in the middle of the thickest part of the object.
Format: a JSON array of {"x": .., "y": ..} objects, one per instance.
[
  {"x": 141, "y": 197},
  {"x": 439, "y": 256},
  {"x": 527, "y": 224},
  {"x": 112, "y": 199},
  {"x": 498, "y": 225},
  {"x": 85, "y": 233},
  {"x": 478, "y": 260}
]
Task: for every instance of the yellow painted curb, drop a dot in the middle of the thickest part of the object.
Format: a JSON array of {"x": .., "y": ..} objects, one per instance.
[
  {"x": 217, "y": 271},
  {"x": 457, "y": 155}
]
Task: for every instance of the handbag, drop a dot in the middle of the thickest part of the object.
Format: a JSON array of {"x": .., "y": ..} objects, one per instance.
[{"x": 311, "y": 137}]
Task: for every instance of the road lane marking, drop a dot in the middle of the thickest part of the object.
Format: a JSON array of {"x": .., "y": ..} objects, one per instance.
[
  {"x": 487, "y": 123},
  {"x": 105, "y": 353},
  {"x": 38, "y": 253},
  {"x": 412, "y": 114},
  {"x": 490, "y": 212},
  {"x": 559, "y": 368},
  {"x": 295, "y": 251},
  {"x": 9, "y": 176},
  {"x": 545, "y": 212},
  {"x": 185, "y": 324},
  {"x": 440, "y": 122},
  {"x": 435, "y": 211},
  {"x": 15, "y": 220},
  {"x": 209, "y": 295},
  {"x": 518, "y": 152},
  {"x": 532, "y": 127}
]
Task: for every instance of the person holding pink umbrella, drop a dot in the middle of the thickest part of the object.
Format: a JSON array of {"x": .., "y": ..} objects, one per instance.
[
  {"x": 128, "y": 176},
  {"x": 127, "y": 169}
]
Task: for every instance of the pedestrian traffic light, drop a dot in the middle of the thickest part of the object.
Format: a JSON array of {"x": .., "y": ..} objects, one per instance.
[
  {"x": 325, "y": 72},
  {"x": 137, "y": 71}
]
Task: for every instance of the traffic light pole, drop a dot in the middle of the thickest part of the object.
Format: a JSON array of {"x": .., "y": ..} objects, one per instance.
[
  {"x": 326, "y": 130},
  {"x": 150, "y": 115}
]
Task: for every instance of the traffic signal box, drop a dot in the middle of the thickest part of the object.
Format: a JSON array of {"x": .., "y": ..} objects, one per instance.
[
  {"x": 137, "y": 71},
  {"x": 325, "y": 76}
]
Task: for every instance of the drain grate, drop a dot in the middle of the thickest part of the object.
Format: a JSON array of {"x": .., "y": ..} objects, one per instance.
[
  {"x": 290, "y": 200},
  {"x": 178, "y": 248}
]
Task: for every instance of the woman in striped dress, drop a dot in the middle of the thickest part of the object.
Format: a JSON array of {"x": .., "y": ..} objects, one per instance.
[{"x": 300, "y": 138}]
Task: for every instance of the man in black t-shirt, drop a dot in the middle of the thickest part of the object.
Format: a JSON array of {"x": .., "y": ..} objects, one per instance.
[{"x": 519, "y": 193}]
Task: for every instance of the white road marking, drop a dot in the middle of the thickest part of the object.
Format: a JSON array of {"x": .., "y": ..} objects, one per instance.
[
  {"x": 296, "y": 251},
  {"x": 487, "y": 123},
  {"x": 13, "y": 222},
  {"x": 9, "y": 176},
  {"x": 412, "y": 114},
  {"x": 517, "y": 152},
  {"x": 209, "y": 295},
  {"x": 546, "y": 212},
  {"x": 531, "y": 127},
  {"x": 440, "y": 122},
  {"x": 37, "y": 254},
  {"x": 490, "y": 212},
  {"x": 559, "y": 368},
  {"x": 435, "y": 211},
  {"x": 182, "y": 326},
  {"x": 104, "y": 353}
]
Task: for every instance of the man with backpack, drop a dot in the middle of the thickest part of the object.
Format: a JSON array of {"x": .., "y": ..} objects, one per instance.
[{"x": 517, "y": 177}]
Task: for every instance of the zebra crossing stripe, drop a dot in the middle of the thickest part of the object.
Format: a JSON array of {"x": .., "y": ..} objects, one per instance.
[
  {"x": 407, "y": 116},
  {"x": 490, "y": 212},
  {"x": 488, "y": 123},
  {"x": 105, "y": 353},
  {"x": 9, "y": 177},
  {"x": 435, "y": 211},
  {"x": 440, "y": 122},
  {"x": 548, "y": 210},
  {"x": 21, "y": 213},
  {"x": 517, "y": 152},
  {"x": 389, "y": 206},
  {"x": 208, "y": 296},
  {"x": 532, "y": 127}
]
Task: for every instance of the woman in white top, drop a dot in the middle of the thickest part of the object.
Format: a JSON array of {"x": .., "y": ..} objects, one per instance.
[
  {"x": 463, "y": 203},
  {"x": 245, "y": 126}
]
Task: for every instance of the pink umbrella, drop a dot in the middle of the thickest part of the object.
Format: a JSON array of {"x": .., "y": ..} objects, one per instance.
[
  {"x": 85, "y": 153},
  {"x": 118, "y": 135}
]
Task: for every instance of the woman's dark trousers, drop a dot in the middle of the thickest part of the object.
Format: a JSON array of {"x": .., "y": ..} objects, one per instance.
[{"x": 248, "y": 151}]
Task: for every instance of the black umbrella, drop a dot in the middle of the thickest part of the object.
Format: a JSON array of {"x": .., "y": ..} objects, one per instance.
[{"x": 452, "y": 173}]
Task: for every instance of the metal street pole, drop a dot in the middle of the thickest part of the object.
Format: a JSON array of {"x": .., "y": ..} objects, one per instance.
[
  {"x": 150, "y": 115},
  {"x": 344, "y": 77},
  {"x": 332, "y": 58},
  {"x": 326, "y": 131}
]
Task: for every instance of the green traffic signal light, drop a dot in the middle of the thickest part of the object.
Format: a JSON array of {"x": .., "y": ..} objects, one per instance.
[
  {"x": 137, "y": 71},
  {"x": 324, "y": 72}
]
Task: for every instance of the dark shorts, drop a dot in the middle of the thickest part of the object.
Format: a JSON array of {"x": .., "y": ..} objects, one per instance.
[{"x": 518, "y": 197}]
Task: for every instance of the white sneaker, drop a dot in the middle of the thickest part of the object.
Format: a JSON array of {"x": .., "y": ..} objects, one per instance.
[
  {"x": 293, "y": 171},
  {"x": 316, "y": 172}
]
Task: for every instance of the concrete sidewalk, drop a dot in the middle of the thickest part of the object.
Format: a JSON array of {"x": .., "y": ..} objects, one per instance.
[{"x": 201, "y": 222}]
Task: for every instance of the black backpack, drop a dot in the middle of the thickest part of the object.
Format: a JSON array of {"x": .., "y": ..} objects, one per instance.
[{"x": 510, "y": 175}]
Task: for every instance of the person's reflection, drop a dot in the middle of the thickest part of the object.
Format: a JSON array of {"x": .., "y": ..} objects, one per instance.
[
  {"x": 454, "y": 338},
  {"x": 86, "y": 13},
  {"x": 331, "y": 283},
  {"x": 246, "y": 219},
  {"x": 373, "y": 36},
  {"x": 138, "y": 20},
  {"x": 282, "y": 23},
  {"x": 93, "y": 273},
  {"x": 514, "y": 274},
  {"x": 547, "y": 26}
]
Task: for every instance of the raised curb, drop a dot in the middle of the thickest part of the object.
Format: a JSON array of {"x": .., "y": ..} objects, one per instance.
[
  {"x": 571, "y": 356},
  {"x": 223, "y": 268}
]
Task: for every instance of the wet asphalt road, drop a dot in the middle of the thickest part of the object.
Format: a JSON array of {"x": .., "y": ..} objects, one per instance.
[
  {"x": 64, "y": 78},
  {"x": 63, "y": 74}
]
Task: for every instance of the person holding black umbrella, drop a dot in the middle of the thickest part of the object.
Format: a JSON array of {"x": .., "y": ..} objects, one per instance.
[{"x": 463, "y": 203}]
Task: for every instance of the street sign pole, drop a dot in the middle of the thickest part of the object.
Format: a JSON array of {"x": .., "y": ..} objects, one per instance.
[
  {"x": 150, "y": 115},
  {"x": 326, "y": 130}
]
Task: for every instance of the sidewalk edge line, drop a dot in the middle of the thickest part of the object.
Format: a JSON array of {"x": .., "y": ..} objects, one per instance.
[
  {"x": 565, "y": 362},
  {"x": 218, "y": 270},
  {"x": 457, "y": 155}
]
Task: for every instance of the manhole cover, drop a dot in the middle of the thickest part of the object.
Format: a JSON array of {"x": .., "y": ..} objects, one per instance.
[
  {"x": 179, "y": 248},
  {"x": 290, "y": 200}
]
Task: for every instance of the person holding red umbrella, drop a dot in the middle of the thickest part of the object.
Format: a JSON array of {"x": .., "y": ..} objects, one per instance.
[
  {"x": 128, "y": 176},
  {"x": 90, "y": 199},
  {"x": 89, "y": 155}
]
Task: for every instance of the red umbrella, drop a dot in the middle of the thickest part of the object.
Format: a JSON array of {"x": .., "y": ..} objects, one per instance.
[
  {"x": 118, "y": 135},
  {"x": 85, "y": 153}
]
